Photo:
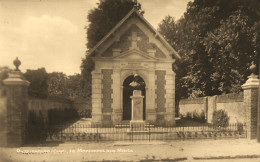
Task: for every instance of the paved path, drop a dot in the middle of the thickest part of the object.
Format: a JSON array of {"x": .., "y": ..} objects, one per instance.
[{"x": 190, "y": 150}]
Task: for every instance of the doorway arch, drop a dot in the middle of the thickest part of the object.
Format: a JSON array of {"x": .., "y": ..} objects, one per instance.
[{"x": 127, "y": 92}]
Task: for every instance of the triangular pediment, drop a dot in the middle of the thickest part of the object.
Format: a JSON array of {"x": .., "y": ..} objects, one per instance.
[
  {"x": 134, "y": 55},
  {"x": 133, "y": 32}
]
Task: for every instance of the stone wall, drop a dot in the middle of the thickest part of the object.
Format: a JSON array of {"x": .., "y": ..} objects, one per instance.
[
  {"x": 191, "y": 105},
  {"x": 231, "y": 103},
  {"x": 43, "y": 105}
]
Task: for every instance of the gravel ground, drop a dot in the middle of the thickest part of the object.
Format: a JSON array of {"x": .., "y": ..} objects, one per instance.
[{"x": 190, "y": 150}]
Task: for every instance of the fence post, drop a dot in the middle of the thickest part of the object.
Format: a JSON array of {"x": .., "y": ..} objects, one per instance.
[
  {"x": 97, "y": 133},
  {"x": 17, "y": 106},
  {"x": 149, "y": 130},
  {"x": 250, "y": 102},
  {"x": 132, "y": 131}
]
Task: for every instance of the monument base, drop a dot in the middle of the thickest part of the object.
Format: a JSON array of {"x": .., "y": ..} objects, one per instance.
[{"x": 137, "y": 125}]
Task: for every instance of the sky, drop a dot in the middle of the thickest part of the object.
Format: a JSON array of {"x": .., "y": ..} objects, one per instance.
[{"x": 52, "y": 34}]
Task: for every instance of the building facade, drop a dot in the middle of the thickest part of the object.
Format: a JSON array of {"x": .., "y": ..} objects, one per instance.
[{"x": 132, "y": 47}]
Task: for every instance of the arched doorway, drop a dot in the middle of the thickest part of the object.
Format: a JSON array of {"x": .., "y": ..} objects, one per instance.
[{"x": 127, "y": 92}]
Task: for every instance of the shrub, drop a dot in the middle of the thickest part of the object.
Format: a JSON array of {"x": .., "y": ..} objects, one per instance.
[
  {"x": 189, "y": 115},
  {"x": 199, "y": 117},
  {"x": 240, "y": 128},
  {"x": 60, "y": 116},
  {"x": 220, "y": 118},
  {"x": 36, "y": 128}
]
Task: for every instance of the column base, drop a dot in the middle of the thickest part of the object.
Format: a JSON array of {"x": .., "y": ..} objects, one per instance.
[
  {"x": 137, "y": 125},
  {"x": 169, "y": 119},
  {"x": 96, "y": 119},
  {"x": 117, "y": 117}
]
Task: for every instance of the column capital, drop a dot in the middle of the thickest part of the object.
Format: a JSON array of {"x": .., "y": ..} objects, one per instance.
[
  {"x": 16, "y": 78},
  {"x": 251, "y": 83}
]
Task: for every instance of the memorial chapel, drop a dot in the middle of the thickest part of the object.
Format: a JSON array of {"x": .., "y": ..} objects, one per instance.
[{"x": 133, "y": 48}]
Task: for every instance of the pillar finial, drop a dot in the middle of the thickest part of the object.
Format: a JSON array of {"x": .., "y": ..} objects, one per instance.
[
  {"x": 17, "y": 63},
  {"x": 252, "y": 68}
]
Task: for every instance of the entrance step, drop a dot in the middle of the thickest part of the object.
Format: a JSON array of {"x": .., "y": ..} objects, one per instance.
[
  {"x": 146, "y": 126},
  {"x": 139, "y": 142},
  {"x": 122, "y": 126}
]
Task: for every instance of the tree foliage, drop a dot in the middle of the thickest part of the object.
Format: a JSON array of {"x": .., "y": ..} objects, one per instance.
[
  {"x": 3, "y": 74},
  {"x": 61, "y": 85},
  {"x": 39, "y": 82},
  {"x": 102, "y": 19},
  {"x": 217, "y": 40},
  {"x": 57, "y": 84}
]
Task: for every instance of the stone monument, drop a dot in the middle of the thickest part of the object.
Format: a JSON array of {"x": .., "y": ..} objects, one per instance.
[{"x": 137, "y": 122}]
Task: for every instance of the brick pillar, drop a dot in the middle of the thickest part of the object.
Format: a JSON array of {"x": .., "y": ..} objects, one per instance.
[
  {"x": 17, "y": 105},
  {"x": 96, "y": 98},
  {"x": 117, "y": 109},
  {"x": 250, "y": 102}
]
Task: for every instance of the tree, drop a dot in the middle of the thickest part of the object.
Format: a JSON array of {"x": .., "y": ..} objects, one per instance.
[
  {"x": 74, "y": 87},
  {"x": 102, "y": 19},
  {"x": 38, "y": 79},
  {"x": 70, "y": 87},
  {"x": 3, "y": 74},
  {"x": 217, "y": 40},
  {"x": 232, "y": 46},
  {"x": 57, "y": 84}
]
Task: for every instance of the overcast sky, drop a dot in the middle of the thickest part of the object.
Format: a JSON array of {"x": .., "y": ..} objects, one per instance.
[{"x": 51, "y": 34}]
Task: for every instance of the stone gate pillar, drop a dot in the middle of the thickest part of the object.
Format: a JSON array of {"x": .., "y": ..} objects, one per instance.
[
  {"x": 17, "y": 105},
  {"x": 250, "y": 102}
]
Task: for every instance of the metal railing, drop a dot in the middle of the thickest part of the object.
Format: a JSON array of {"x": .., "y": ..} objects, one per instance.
[{"x": 80, "y": 132}]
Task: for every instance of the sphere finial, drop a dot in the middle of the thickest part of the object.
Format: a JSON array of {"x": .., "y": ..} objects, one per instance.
[
  {"x": 17, "y": 63},
  {"x": 252, "y": 68}
]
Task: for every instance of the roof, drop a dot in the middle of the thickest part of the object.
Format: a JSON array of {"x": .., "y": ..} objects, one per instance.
[{"x": 157, "y": 34}]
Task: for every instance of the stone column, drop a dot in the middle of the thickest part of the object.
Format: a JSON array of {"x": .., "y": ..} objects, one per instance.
[
  {"x": 205, "y": 103},
  {"x": 250, "y": 102},
  {"x": 137, "y": 109},
  {"x": 117, "y": 109},
  {"x": 96, "y": 98},
  {"x": 170, "y": 98},
  {"x": 17, "y": 107},
  {"x": 150, "y": 98}
]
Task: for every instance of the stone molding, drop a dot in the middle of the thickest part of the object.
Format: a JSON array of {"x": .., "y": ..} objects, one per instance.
[
  {"x": 15, "y": 78},
  {"x": 252, "y": 82}
]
